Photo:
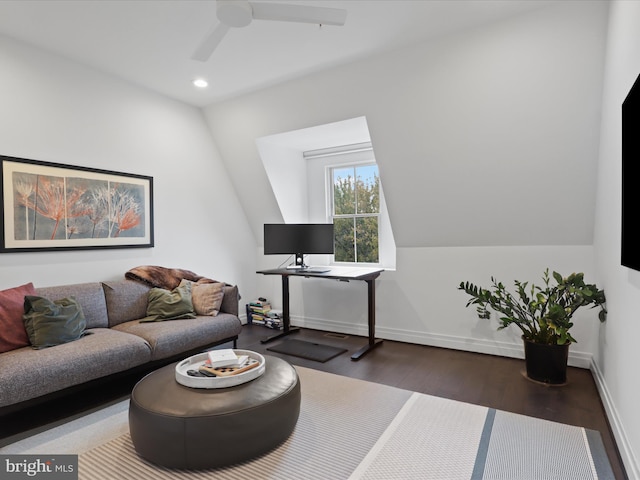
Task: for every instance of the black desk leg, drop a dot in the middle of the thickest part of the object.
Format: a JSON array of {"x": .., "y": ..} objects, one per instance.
[
  {"x": 373, "y": 343},
  {"x": 286, "y": 324}
]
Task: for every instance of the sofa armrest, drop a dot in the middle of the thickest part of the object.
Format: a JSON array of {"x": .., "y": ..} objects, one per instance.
[{"x": 231, "y": 300}]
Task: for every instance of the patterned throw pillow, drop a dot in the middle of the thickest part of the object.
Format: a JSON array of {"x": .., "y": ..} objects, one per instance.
[
  {"x": 206, "y": 297},
  {"x": 12, "y": 332}
]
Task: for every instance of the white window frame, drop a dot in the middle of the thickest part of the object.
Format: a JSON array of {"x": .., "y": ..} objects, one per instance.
[
  {"x": 330, "y": 205},
  {"x": 319, "y": 187}
]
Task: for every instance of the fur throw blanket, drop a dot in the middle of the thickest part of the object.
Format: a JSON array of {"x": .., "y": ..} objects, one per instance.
[{"x": 162, "y": 277}]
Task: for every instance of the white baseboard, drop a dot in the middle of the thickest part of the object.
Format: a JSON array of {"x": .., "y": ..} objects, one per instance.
[
  {"x": 504, "y": 349},
  {"x": 626, "y": 452}
]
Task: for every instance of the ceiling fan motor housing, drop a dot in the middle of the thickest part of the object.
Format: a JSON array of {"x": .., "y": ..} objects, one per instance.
[{"x": 234, "y": 13}]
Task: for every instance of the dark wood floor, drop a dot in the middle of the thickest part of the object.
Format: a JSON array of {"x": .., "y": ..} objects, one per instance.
[
  {"x": 488, "y": 380},
  {"x": 492, "y": 381}
]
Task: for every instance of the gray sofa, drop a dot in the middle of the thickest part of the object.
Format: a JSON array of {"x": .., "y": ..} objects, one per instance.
[{"x": 115, "y": 341}]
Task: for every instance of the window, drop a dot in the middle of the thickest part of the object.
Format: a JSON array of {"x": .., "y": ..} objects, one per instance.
[
  {"x": 355, "y": 212},
  {"x": 305, "y": 192}
]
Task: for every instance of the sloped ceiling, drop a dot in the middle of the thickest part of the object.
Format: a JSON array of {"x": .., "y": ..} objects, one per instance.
[{"x": 488, "y": 137}]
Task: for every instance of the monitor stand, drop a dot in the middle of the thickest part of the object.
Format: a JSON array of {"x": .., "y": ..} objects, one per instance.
[
  {"x": 299, "y": 262},
  {"x": 300, "y": 266}
]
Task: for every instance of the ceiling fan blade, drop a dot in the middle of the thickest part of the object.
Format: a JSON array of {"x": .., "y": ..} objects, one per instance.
[
  {"x": 298, "y": 13},
  {"x": 210, "y": 43}
]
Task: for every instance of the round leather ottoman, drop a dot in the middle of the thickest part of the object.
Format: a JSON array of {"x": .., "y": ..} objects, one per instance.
[{"x": 181, "y": 427}]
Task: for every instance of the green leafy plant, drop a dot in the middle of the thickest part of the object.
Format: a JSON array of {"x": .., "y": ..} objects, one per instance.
[{"x": 543, "y": 314}]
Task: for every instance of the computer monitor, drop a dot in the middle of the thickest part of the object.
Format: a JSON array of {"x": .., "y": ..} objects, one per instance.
[{"x": 298, "y": 239}]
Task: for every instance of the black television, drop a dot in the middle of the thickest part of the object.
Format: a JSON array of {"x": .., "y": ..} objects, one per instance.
[
  {"x": 630, "y": 238},
  {"x": 298, "y": 239}
]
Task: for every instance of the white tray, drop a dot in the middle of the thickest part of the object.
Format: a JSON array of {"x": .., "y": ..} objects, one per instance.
[{"x": 216, "y": 382}]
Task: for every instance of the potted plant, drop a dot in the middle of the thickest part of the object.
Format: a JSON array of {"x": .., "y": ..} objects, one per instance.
[{"x": 544, "y": 316}]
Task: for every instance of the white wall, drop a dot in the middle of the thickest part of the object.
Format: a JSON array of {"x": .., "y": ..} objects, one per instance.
[
  {"x": 619, "y": 356},
  {"x": 287, "y": 173},
  {"x": 420, "y": 302},
  {"x": 476, "y": 131},
  {"x": 486, "y": 141},
  {"x": 57, "y": 111}
]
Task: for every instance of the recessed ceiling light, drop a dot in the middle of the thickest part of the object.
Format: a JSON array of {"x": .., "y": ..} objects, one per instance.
[{"x": 200, "y": 83}]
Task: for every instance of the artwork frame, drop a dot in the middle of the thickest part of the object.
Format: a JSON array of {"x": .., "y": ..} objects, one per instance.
[{"x": 49, "y": 206}]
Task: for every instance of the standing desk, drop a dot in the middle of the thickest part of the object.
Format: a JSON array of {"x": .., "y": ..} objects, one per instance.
[{"x": 343, "y": 274}]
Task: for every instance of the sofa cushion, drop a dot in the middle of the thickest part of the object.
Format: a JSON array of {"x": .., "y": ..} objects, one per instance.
[
  {"x": 90, "y": 297},
  {"x": 206, "y": 297},
  {"x": 126, "y": 300},
  {"x": 172, "y": 338},
  {"x": 12, "y": 332},
  {"x": 52, "y": 322},
  {"x": 101, "y": 352},
  {"x": 230, "y": 300},
  {"x": 173, "y": 304}
]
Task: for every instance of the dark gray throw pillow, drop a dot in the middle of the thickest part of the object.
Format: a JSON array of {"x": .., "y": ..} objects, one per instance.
[
  {"x": 169, "y": 304},
  {"x": 49, "y": 323}
]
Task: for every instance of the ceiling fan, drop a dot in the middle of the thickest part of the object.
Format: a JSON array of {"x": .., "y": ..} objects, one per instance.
[{"x": 240, "y": 13}]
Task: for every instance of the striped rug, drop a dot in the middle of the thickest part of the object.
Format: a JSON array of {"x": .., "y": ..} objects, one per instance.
[{"x": 353, "y": 429}]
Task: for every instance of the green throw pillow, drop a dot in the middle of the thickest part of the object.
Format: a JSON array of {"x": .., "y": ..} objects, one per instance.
[
  {"x": 49, "y": 323},
  {"x": 169, "y": 304}
]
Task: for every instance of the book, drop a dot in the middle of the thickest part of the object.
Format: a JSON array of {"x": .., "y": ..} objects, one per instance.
[
  {"x": 242, "y": 359},
  {"x": 222, "y": 358},
  {"x": 260, "y": 310},
  {"x": 275, "y": 324},
  {"x": 259, "y": 303},
  {"x": 266, "y": 306}
]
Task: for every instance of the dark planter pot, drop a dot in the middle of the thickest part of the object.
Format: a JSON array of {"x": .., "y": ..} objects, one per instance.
[{"x": 546, "y": 363}]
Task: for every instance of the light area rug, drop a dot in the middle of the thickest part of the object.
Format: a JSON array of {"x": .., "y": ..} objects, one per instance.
[
  {"x": 354, "y": 429},
  {"x": 78, "y": 435}
]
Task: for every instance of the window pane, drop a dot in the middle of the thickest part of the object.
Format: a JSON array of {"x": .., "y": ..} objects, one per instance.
[
  {"x": 367, "y": 189},
  {"x": 343, "y": 191},
  {"x": 344, "y": 240},
  {"x": 367, "y": 239}
]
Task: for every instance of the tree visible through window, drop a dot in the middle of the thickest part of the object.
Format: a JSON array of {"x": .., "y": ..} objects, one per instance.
[{"x": 355, "y": 213}]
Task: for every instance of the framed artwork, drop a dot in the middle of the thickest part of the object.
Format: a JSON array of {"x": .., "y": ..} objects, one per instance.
[{"x": 48, "y": 206}]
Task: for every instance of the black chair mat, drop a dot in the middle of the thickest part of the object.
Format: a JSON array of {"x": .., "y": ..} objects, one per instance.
[{"x": 311, "y": 351}]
